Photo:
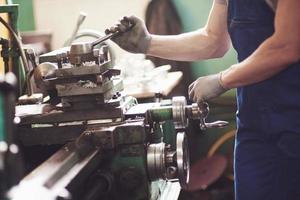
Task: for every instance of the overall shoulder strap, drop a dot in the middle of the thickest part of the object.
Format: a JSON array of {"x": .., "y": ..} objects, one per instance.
[{"x": 272, "y": 4}]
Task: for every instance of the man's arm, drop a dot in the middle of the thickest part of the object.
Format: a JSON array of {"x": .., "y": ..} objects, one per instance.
[
  {"x": 212, "y": 41},
  {"x": 275, "y": 54}
]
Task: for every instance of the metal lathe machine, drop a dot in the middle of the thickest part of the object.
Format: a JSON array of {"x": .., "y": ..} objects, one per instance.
[{"x": 112, "y": 147}]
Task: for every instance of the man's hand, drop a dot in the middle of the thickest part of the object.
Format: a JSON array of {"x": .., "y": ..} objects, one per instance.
[
  {"x": 206, "y": 88},
  {"x": 136, "y": 39}
]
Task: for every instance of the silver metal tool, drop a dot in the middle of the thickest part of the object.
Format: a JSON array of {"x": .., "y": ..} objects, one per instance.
[
  {"x": 80, "y": 20},
  {"x": 204, "y": 111},
  {"x": 87, "y": 47}
]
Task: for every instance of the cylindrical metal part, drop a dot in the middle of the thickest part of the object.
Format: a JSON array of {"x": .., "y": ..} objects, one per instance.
[
  {"x": 183, "y": 161},
  {"x": 161, "y": 114},
  {"x": 42, "y": 74},
  {"x": 178, "y": 110},
  {"x": 156, "y": 161}
]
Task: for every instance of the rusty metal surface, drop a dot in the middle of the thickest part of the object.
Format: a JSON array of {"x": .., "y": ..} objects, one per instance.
[
  {"x": 49, "y": 135},
  {"x": 83, "y": 70},
  {"x": 83, "y": 88},
  {"x": 73, "y": 116},
  {"x": 48, "y": 114},
  {"x": 102, "y": 134},
  {"x": 46, "y": 125},
  {"x": 52, "y": 56},
  {"x": 85, "y": 95},
  {"x": 123, "y": 133}
]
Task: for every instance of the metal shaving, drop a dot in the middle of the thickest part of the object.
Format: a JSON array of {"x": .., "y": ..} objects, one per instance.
[{"x": 87, "y": 84}]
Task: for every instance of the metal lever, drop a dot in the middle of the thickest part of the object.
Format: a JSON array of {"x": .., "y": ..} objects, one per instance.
[
  {"x": 80, "y": 20},
  {"x": 204, "y": 111},
  {"x": 31, "y": 56},
  {"x": 216, "y": 124},
  {"x": 106, "y": 37},
  {"x": 110, "y": 35},
  {"x": 87, "y": 47}
]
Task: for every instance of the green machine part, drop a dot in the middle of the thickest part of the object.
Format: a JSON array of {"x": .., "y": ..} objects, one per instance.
[
  {"x": 26, "y": 20},
  {"x": 128, "y": 165},
  {"x": 163, "y": 116}
]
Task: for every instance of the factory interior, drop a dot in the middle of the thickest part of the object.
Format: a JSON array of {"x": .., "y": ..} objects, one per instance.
[{"x": 83, "y": 119}]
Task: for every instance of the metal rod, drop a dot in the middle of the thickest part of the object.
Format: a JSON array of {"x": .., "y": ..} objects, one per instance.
[
  {"x": 110, "y": 35},
  {"x": 102, "y": 39},
  {"x": 80, "y": 21}
]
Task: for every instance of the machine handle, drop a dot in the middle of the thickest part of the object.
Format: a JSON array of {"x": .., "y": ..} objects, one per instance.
[
  {"x": 102, "y": 39},
  {"x": 217, "y": 124},
  {"x": 204, "y": 111},
  {"x": 110, "y": 35}
]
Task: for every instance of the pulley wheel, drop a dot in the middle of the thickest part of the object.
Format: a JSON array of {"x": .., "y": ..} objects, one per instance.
[
  {"x": 156, "y": 161},
  {"x": 183, "y": 159}
]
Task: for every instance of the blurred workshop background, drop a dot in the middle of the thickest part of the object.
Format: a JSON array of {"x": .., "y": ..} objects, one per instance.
[{"x": 48, "y": 24}]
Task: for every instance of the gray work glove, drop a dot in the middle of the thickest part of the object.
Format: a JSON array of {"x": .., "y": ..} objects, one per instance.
[
  {"x": 206, "y": 88},
  {"x": 135, "y": 39}
]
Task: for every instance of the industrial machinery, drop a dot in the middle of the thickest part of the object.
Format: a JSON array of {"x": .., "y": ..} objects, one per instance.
[{"x": 112, "y": 147}]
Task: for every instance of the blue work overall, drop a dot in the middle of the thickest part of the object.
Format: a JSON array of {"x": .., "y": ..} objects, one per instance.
[{"x": 267, "y": 149}]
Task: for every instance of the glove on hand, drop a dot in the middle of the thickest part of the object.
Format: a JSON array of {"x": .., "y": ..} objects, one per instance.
[
  {"x": 206, "y": 88},
  {"x": 135, "y": 39}
]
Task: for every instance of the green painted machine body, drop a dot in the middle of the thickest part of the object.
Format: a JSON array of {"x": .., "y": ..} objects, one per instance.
[
  {"x": 127, "y": 161},
  {"x": 128, "y": 164}
]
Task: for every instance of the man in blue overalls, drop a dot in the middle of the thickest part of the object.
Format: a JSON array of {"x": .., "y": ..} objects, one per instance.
[{"x": 267, "y": 78}]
